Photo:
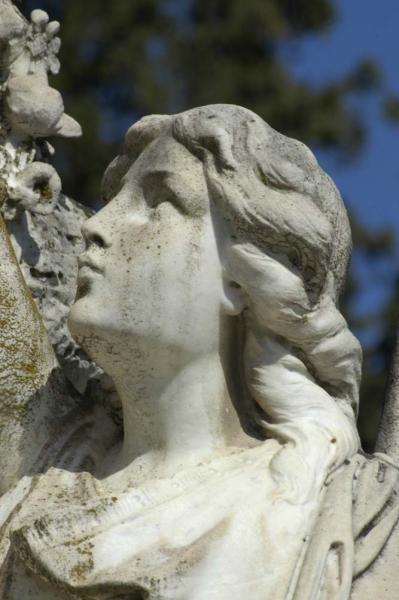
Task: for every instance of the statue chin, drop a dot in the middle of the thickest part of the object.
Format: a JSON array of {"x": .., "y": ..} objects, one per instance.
[
  {"x": 79, "y": 321},
  {"x": 108, "y": 342},
  {"x": 88, "y": 330}
]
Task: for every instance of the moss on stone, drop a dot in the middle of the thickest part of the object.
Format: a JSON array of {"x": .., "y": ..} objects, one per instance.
[{"x": 3, "y": 192}]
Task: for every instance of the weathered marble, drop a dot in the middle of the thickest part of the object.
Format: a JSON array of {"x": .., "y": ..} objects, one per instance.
[
  {"x": 44, "y": 225},
  {"x": 208, "y": 292}
]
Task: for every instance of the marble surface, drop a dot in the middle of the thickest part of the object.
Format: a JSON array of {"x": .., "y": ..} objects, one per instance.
[{"x": 218, "y": 455}]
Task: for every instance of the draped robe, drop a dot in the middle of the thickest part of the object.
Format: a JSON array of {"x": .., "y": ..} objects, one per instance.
[{"x": 219, "y": 531}]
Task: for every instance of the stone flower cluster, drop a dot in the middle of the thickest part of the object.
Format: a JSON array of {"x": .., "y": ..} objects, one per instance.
[
  {"x": 43, "y": 44},
  {"x": 32, "y": 108}
]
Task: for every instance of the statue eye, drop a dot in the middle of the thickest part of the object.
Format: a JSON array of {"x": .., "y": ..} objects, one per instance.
[
  {"x": 157, "y": 197},
  {"x": 157, "y": 191}
]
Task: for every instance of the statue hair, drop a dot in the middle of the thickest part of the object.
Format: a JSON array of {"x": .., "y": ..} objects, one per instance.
[{"x": 289, "y": 252}]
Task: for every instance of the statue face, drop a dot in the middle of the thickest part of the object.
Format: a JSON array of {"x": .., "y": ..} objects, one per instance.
[{"x": 151, "y": 277}]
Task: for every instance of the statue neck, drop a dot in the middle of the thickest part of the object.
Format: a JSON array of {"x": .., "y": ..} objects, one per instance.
[{"x": 177, "y": 419}]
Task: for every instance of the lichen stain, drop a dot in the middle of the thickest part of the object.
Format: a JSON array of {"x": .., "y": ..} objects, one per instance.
[{"x": 25, "y": 354}]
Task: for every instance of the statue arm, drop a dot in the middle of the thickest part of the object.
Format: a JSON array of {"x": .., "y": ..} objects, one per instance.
[{"x": 26, "y": 363}]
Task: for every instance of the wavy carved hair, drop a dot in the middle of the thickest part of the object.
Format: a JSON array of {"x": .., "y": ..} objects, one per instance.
[{"x": 290, "y": 246}]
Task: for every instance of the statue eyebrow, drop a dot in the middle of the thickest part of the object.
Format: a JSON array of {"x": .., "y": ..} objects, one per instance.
[
  {"x": 156, "y": 174},
  {"x": 170, "y": 181},
  {"x": 149, "y": 181}
]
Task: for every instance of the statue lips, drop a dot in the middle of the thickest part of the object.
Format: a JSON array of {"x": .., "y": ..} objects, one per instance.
[
  {"x": 87, "y": 262},
  {"x": 89, "y": 270}
]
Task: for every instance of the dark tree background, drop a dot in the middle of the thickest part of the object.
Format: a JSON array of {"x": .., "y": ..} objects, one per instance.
[{"x": 122, "y": 59}]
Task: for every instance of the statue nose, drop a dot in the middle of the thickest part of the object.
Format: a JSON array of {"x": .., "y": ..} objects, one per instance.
[{"x": 95, "y": 234}]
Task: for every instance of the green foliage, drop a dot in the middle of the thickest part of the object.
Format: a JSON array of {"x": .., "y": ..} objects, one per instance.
[{"x": 391, "y": 109}]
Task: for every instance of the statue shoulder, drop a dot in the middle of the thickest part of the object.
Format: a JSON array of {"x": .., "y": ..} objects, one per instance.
[
  {"x": 375, "y": 519},
  {"x": 355, "y": 539}
]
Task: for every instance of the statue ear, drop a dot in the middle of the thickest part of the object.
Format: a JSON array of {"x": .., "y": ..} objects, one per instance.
[{"x": 233, "y": 302}]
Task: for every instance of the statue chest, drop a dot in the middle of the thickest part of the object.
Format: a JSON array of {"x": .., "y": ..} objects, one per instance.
[{"x": 220, "y": 534}]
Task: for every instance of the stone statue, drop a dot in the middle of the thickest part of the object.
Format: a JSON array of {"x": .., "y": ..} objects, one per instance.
[{"x": 208, "y": 293}]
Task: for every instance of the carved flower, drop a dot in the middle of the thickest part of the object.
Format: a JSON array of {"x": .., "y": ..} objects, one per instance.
[
  {"x": 28, "y": 47},
  {"x": 43, "y": 42}
]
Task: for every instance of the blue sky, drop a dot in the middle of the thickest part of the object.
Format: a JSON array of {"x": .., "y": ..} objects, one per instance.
[
  {"x": 364, "y": 28},
  {"x": 369, "y": 184}
]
